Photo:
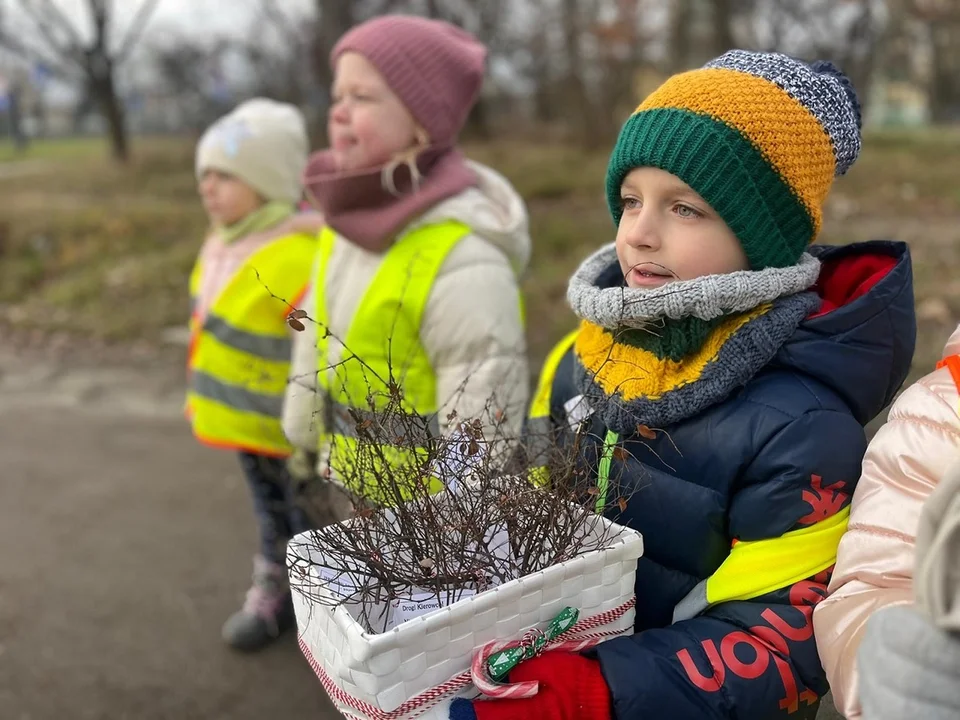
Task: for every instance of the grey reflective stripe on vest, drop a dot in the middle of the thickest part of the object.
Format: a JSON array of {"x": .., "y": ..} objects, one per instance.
[
  {"x": 694, "y": 603},
  {"x": 392, "y": 428},
  {"x": 236, "y": 396},
  {"x": 265, "y": 346}
]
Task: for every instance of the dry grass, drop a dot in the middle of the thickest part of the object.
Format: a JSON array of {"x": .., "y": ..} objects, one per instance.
[{"x": 105, "y": 252}]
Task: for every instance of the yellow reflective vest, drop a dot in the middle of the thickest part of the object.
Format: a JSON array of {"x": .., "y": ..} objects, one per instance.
[
  {"x": 383, "y": 383},
  {"x": 239, "y": 356}
]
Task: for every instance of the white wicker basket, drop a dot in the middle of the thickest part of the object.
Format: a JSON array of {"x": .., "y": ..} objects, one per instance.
[{"x": 418, "y": 667}]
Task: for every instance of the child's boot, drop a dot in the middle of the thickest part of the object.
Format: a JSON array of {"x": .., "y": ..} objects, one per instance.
[{"x": 267, "y": 611}]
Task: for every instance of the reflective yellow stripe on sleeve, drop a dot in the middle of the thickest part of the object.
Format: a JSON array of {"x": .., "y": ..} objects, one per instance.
[{"x": 757, "y": 567}]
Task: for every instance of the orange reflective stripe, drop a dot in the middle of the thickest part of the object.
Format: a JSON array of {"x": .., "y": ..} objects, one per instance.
[{"x": 953, "y": 364}]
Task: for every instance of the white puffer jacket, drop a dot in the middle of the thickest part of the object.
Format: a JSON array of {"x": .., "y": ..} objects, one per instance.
[{"x": 471, "y": 330}]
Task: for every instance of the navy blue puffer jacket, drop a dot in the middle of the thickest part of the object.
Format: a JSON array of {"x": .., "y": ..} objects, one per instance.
[{"x": 782, "y": 453}]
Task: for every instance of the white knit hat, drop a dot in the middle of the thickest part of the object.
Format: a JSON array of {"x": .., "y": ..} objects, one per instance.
[{"x": 263, "y": 143}]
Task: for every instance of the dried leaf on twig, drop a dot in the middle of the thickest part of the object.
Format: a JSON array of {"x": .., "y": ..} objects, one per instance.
[{"x": 645, "y": 432}]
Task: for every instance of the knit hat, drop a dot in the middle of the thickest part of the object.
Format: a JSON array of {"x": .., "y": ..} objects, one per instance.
[
  {"x": 760, "y": 136},
  {"x": 263, "y": 143},
  {"x": 435, "y": 68}
]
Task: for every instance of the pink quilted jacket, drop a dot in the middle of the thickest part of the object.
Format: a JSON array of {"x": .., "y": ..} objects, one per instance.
[{"x": 875, "y": 561}]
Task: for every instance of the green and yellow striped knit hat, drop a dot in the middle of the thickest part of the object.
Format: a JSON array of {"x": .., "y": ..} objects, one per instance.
[{"x": 760, "y": 136}]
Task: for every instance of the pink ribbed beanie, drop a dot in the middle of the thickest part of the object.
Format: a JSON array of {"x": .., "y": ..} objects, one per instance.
[{"x": 435, "y": 68}]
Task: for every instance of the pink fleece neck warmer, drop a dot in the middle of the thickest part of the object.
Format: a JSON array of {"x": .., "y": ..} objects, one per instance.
[{"x": 358, "y": 207}]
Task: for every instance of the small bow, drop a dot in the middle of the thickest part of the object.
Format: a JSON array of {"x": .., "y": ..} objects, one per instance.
[{"x": 500, "y": 663}]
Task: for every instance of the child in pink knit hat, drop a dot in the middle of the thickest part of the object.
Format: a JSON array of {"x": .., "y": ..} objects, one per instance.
[{"x": 418, "y": 266}]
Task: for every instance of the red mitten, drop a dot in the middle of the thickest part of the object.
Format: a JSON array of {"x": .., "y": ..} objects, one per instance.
[{"x": 571, "y": 688}]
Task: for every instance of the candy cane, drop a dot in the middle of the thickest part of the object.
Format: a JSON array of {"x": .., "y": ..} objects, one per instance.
[{"x": 573, "y": 640}]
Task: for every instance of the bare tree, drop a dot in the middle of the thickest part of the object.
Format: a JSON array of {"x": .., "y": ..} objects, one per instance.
[
  {"x": 723, "y": 23},
  {"x": 941, "y": 21},
  {"x": 620, "y": 47},
  {"x": 701, "y": 29},
  {"x": 541, "y": 72},
  {"x": 573, "y": 19},
  {"x": 281, "y": 70},
  {"x": 859, "y": 54},
  {"x": 189, "y": 70},
  {"x": 851, "y": 33},
  {"x": 681, "y": 40},
  {"x": 93, "y": 62}
]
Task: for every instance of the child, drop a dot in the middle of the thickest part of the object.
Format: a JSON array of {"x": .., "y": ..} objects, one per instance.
[
  {"x": 910, "y": 656},
  {"x": 255, "y": 260},
  {"x": 417, "y": 274},
  {"x": 718, "y": 386},
  {"x": 903, "y": 465}
]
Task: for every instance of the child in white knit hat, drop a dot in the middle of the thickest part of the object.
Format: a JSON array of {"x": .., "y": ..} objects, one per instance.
[{"x": 252, "y": 269}]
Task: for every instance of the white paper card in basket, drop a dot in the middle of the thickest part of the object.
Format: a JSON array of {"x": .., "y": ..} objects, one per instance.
[
  {"x": 418, "y": 667},
  {"x": 420, "y": 602}
]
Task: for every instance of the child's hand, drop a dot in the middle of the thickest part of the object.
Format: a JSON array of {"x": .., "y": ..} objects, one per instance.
[{"x": 571, "y": 688}]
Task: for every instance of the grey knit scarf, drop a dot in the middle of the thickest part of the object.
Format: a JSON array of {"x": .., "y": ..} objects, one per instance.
[
  {"x": 623, "y": 311},
  {"x": 705, "y": 297}
]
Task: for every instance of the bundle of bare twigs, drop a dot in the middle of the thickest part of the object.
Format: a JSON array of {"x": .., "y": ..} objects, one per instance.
[
  {"x": 439, "y": 517},
  {"x": 447, "y": 522}
]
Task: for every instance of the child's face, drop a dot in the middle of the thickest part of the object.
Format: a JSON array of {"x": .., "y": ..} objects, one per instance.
[
  {"x": 668, "y": 232},
  {"x": 226, "y": 199},
  {"x": 367, "y": 123}
]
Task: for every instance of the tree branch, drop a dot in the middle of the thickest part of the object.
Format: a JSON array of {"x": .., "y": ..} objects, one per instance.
[
  {"x": 61, "y": 20},
  {"x": 15, "y": 45},
  {"x": 72, "y": 51},
  {"x": 101, "y": 20},
  {"x": 273, "y": 14},
  {"x": 22, "y": 50},
  {"x": 137, "y": 25}
]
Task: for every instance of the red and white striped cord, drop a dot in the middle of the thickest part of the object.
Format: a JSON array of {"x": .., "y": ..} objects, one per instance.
[
  {"x": 414, "y": 707},
  {"x": 573, "y": 639}
]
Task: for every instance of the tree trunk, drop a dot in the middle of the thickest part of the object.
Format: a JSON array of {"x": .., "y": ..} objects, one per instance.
[
  {"x": 576, "y": 87},
  {"x": 40, "y": 112},
  {"x": 105, "y": 93},
  {"x": 15, "y": 113},
  {"x": 945, "y": 64},
  {"x": 334, "y": 18},
  {"x": 865, "y": 35},
  {"x": 433, "y": 10},
  {"x": 681, "y": 24},
  {"x": 541, "y": 73},
  {"x": 478, "y": 121},
  {"x": 723, "y": 39}
]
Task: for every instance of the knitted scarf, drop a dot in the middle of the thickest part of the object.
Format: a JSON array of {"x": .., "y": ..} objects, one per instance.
[
  {"x": 263, "y": 218},
  {"x": 658, "y": 356}
]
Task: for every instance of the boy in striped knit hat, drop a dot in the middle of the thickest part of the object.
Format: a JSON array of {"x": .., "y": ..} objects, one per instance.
[{"x": 720, "y": 379}]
